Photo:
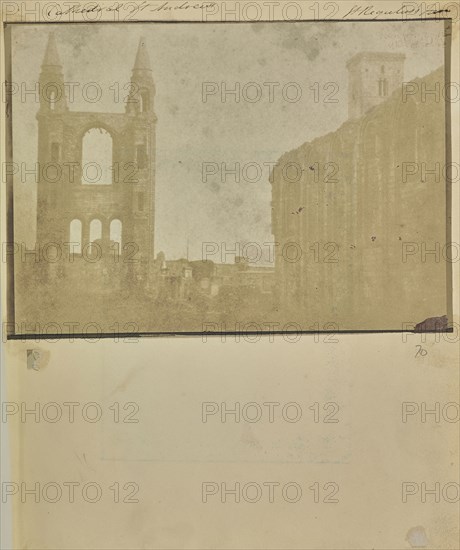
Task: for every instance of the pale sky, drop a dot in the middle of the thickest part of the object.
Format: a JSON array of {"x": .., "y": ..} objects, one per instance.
[{"x": 191, "y": 132}]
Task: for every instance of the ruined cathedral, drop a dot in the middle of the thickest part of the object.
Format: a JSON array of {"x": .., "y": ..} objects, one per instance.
[
  {"x": 365, "y": 217},
  {"x": 99, "y": 211},
  {"x": 96, "y": 223},
  {"x": 365, "y": 212}
]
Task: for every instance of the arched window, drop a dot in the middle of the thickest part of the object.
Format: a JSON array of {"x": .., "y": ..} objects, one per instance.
[
  {"x": 97, "y": 157},
  {"x": 383, "y": 87},
  {"x": 52, "y": 99},
  {"x": 115, "y": 233},
  {"x": 144, "y": 101},
  {"x": 95, "y": 231},
  {"x": 75, "y": 236}
]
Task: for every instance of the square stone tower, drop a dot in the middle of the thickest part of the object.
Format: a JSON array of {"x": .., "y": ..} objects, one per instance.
[{"x": 372, "y": 77}]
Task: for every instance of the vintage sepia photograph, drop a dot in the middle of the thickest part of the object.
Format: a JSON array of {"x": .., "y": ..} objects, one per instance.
[
  {"x": 230, "y": 263},
  {"x": 258, "y": 177}
]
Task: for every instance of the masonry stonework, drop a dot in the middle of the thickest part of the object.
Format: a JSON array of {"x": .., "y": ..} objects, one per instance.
[
  {"x": 120, "y": 203},
  {"x": 356, "y": 206}
]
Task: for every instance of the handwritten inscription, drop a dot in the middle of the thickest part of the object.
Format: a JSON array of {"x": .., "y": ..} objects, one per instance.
[
  {"x": 126, "y": 10},
  {"x": 370, "y": 12}
]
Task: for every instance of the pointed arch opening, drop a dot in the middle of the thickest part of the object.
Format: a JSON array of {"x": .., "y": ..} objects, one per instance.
[
  {"x": 97, "y": 157},
  {"x": 95, "y": 233},
  {"x": 52, "y": 100}
]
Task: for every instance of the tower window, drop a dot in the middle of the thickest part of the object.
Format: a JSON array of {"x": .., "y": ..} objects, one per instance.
[
  {"x": 97, "y": 157},
  {"x": 95, "y": 232},
  {"x": 141, "y": 155},
  {"x": 55, "y": 152},
  {"x": 144, "y": 101},
  {"x": 140, "y": 202},
  {"x": 383, "y": 87},
  {"x": 52, "y": 99},
  {"x": 75, "y": 236}
]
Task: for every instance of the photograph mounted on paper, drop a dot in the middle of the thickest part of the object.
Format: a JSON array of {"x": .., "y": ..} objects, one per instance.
[{"x": 165, "y": 179}]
